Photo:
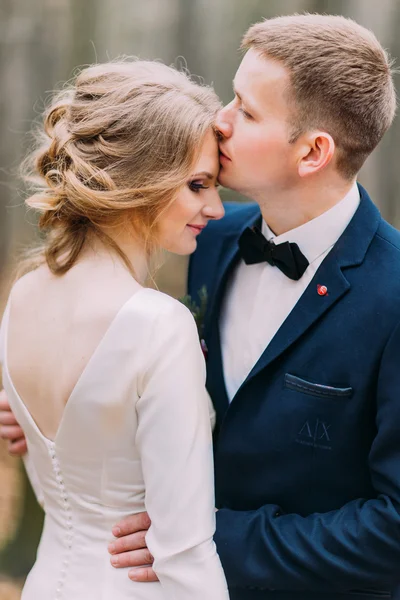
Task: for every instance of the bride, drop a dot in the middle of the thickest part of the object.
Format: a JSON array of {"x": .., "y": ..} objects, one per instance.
[{"x": 106, "y": 376}]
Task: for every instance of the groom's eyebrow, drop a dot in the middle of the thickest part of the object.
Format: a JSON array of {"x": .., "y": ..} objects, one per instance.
[{"x": 239, "y": 95}]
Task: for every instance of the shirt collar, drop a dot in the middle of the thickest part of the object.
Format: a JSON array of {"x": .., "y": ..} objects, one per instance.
[{"x": 320, "y": 234}]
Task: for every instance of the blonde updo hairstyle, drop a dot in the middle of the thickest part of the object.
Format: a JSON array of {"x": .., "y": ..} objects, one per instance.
[{"x": 118, "y": 144}]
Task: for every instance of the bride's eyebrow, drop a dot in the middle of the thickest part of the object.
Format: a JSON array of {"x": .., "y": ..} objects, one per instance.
[{"x": 204, "y": 174}]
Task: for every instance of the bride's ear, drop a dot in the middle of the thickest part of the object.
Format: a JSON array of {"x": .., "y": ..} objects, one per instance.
[{"x": 316, "y": 151}]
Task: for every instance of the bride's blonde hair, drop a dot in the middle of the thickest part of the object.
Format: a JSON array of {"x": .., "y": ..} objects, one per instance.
[{"x": 117, "y": 145}]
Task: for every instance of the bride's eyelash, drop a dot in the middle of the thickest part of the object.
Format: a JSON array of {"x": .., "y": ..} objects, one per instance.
[{"x": 196, "y": 186}]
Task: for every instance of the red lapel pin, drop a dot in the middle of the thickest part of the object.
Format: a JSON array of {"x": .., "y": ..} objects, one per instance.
[{"x": 322, "y": 290}]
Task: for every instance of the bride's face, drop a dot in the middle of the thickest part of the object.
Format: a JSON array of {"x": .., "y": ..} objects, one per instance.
[{"x": 196, "y": 204}]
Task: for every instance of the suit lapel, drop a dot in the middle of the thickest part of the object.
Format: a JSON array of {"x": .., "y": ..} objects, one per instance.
[
  {"x": 349, "y": 251},
  {"x": 307, "y": 311},
  {"x": 227, "y": 260}
]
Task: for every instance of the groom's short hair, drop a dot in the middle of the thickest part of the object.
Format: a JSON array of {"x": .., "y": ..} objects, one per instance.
[{"x": 341, "y": 80}]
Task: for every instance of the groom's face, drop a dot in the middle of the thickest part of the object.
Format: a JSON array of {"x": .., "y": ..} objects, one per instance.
[{"x": 256, "y": 156}]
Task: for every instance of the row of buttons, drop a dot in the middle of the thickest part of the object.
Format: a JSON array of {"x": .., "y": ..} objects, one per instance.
[{"x": 68, "y": 518}]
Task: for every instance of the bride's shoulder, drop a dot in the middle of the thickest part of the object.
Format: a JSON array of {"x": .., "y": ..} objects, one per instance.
[
  {"x": 26, "y": 286},
  {"x": 166, "y": 313},
  {"x": 157, "y": 304},
  {"x": 167, "y": 329}
]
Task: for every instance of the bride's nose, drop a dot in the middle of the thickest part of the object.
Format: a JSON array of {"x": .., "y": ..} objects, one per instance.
[{"x": 213, "y": 209}]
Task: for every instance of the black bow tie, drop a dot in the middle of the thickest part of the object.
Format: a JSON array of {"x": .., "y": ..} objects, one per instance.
[{"x": 255, "y": 248}]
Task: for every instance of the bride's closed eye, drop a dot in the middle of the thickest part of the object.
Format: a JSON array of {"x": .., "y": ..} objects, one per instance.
[{"x": 196, "y": 186}]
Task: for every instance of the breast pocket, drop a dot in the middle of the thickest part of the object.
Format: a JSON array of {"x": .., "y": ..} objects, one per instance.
[
  {"x": 297, "y": 384},
  {"x": 321, "y": 432}
]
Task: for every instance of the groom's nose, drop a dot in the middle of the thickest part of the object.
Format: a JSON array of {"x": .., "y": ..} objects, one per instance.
[{"x": 223, "y": 122}]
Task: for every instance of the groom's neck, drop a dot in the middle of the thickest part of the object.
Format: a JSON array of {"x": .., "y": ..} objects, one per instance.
[{"x": 287, "y": 209}]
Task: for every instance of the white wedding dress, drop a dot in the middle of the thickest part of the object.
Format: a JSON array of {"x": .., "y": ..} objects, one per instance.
[{"x": 135, "y": 435}]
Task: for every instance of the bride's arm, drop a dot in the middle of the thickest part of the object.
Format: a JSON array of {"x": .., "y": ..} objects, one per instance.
[{"x": 174, "y": 439}]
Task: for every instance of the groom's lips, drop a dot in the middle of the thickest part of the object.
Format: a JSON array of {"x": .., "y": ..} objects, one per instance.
[{"x": 223, "y": 156}]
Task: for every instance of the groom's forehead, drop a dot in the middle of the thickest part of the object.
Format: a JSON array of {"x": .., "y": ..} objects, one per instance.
[
  {"x": 259, "y": 78},
  {"x": 258, "y": 69}
]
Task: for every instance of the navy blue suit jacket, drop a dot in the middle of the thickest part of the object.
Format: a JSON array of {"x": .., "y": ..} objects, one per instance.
[{"x": 307, "y": 455}]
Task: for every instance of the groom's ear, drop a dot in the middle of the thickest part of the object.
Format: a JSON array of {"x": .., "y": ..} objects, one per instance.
[{"x": 316, "y": 150}]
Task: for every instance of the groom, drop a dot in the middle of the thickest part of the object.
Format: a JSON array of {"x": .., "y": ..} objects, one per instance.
[{"x": 302, "y": 325}]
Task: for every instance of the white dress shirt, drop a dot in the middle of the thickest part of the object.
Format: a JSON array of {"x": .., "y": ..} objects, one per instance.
[{"x": 259, "y": 297}]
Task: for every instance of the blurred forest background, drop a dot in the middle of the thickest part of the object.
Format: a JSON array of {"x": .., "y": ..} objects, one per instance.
[{"x": 41, "y": 42}]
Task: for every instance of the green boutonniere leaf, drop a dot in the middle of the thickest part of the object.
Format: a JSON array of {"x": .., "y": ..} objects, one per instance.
[{"x": 198, "y": 310}]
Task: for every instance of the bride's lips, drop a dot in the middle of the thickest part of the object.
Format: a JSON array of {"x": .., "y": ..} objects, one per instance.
[{"x": 196, "y": 229}]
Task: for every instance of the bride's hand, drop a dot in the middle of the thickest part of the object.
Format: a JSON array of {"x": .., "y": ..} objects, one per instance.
[
  {"x": 10, "y": 429},
  {"x": 129, "y": 548}
]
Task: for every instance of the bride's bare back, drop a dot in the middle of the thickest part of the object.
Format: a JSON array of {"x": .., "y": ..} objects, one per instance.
[{"x": 56, "y": 324}]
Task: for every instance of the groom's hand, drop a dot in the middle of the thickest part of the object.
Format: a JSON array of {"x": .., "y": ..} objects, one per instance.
[
  {"x": 10, "y": 429},
  {"x": 129, "y": 548}
]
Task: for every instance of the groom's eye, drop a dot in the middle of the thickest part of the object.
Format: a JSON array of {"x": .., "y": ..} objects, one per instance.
[{"x": 245, "y": 113}]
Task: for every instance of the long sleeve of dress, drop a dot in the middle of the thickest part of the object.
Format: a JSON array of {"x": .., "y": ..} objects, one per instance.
[{"x": 175, "y": 444}]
